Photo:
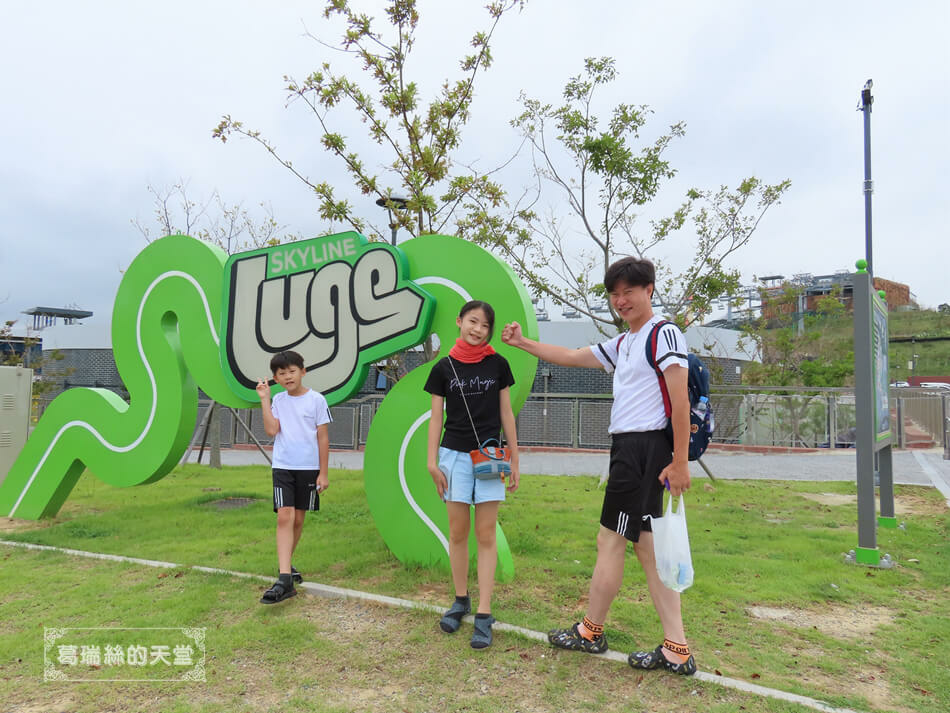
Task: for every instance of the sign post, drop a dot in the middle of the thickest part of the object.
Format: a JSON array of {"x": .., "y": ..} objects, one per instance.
[{"x": 873, "y": 416}]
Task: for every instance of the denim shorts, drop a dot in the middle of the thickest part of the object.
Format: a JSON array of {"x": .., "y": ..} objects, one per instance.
[{"x": 464, "y": 487}]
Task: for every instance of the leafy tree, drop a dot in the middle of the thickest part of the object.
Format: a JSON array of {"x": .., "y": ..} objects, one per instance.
[
  {"x": 830, "y": 306},
  {"x": 606, "y": 177},
  {"x": 420, "y": 139},
  {"x": 797, "y": 357},
  {"x": 791, "y": 345},
  {"x": 603, "y": 170}
]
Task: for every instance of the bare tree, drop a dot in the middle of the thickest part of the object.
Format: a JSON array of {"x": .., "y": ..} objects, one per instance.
[{"x": 229, "y": 226}]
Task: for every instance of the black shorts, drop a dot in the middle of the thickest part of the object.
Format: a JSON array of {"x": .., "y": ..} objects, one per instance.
[
  {"x": 633, "y": 488},
  {"x": 296, "y": 489}
]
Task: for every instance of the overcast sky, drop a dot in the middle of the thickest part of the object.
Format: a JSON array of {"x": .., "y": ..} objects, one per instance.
[{"x": 101, "y": 99}]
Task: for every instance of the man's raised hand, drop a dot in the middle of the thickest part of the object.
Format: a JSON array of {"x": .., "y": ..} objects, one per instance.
[{"x": 511, "y": 334}]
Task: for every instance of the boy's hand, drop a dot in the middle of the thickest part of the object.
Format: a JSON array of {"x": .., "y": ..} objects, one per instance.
[
  {"x": 323, "y": 482},
  {"x": 263, "y": 390}
]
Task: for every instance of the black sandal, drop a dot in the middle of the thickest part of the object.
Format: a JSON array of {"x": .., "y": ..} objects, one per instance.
[
  {"x": 278, "y": 593},
  {"x": 481, "y": 637},
  {"x": 649, "y": 660},
  {"x": 572, "y": 639},
  {"x": 452, "y": 619},
  {"x": 298, "y": 579}
]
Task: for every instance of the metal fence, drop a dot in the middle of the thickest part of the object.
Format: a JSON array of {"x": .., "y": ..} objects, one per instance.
[
  {"x": 813, "y": 419},
  {"x": 819, "y": 418},
  {"x": 825, "y": 418},
  {"x": 928, "y": 410},
  {"x": 347, "y": 430}
]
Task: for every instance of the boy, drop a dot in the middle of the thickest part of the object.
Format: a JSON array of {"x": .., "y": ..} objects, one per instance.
[{"x": 297, "y": 419}]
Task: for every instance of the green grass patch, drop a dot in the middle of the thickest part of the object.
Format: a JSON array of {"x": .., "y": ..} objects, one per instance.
[{"x": 773, "y": 601}]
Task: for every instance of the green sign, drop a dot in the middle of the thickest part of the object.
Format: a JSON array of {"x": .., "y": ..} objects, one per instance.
[
  {"x": 882, "y": 409},
  {"x": 340, "y": 301},
  {"x": 187, "y": 316},
  {"x": 164, "y": 341}
]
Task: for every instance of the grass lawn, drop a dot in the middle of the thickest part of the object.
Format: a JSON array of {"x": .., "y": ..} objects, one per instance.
[{"x": 772, "y": 604}]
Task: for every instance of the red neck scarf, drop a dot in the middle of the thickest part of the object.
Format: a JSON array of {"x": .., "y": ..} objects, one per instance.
[{"x": 467, "y": 354}]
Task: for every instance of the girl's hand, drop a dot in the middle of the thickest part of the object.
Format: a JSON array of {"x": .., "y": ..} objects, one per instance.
[
  {"x": 438, "y": 477},
  {"x": 514, "y": 480}
]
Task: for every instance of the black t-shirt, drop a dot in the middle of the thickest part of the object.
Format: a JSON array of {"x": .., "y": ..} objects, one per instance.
[{"x": 482, "y": 383}]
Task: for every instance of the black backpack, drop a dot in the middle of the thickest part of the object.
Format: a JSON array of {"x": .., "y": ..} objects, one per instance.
[{"x": 697, "y": 385}]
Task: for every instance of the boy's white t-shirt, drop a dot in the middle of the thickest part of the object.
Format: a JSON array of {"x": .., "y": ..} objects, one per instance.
[
  {"x": 295, "y": 446},
  {"x": 638, "y": 401}
]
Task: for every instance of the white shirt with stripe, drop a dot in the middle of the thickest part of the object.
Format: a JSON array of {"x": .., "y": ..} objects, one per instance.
[
  {"x": 638, "y": 401},
  {"x": 295, "y": 446}
]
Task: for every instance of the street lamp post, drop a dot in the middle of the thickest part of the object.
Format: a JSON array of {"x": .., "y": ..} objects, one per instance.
[
  {"x": 865, "y": 106},
  {"x": 390, "y": 202}
]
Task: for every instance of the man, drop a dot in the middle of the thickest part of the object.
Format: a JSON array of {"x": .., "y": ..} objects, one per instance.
[{"x": 642, "y": 461}]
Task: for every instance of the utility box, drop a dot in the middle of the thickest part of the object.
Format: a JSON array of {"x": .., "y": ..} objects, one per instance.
[{"x": 16, "y": 390}]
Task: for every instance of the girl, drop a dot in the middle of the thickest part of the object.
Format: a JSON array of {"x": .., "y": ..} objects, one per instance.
[{"x": 472, "y": 384}]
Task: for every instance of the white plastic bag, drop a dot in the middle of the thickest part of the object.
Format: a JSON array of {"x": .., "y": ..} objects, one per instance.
[{"x": 671, "y": 547}]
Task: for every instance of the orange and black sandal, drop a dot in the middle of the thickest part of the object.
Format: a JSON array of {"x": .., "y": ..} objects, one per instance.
[
  {"x": 650, "y": 660},
  {"x": 573, "y": 640}
]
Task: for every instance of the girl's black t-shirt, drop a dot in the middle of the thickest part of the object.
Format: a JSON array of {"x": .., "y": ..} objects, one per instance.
[{"x": 482, "y": 383}]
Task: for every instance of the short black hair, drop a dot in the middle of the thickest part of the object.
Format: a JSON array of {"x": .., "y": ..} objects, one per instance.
[
  {"x": 635, "y": 271},
  {"x": 484, "y": 307},
  {"x": 285, "y": 360}
]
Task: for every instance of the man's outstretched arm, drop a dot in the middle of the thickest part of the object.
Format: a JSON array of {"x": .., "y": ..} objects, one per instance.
[{"x": 552, "y": 353}]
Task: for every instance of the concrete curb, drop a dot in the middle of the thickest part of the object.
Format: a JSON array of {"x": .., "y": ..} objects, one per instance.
[{"x": 331, "y": 592}]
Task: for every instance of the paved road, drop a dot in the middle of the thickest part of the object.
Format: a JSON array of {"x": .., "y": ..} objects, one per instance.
[{"x": 916, "y": 467}]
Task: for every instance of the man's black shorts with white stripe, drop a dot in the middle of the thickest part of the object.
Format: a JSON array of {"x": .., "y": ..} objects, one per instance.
[
  {"x": 633, "y": 488},
  {"x": 296, "y": 489}
]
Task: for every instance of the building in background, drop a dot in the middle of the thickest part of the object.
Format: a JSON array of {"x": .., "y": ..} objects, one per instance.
[
  {"x": 766, "y": 297},
  {"x": 44, "y": 317},
  {"x": 23, "y": 343},
  {"x": 815, "y": 287}
]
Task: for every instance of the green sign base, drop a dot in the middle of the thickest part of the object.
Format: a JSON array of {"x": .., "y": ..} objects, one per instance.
[
  {"x": 888, "y": 522},
  {"x": 868, "y": 555}
]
